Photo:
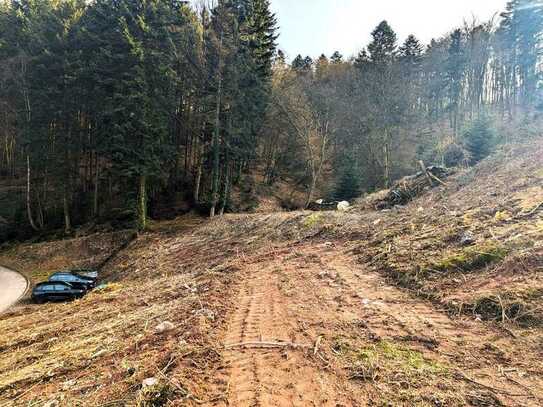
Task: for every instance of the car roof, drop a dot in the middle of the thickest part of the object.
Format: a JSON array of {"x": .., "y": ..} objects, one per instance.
[
  {"x": 71, "y": 273},
  {"x": 66, "y": 273}
]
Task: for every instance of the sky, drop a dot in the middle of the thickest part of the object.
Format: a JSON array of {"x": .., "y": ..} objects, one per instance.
[{"x": 313, "y": 27}]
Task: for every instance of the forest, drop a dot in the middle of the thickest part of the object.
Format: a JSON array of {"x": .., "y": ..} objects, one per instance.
[{"x": 123, "y": 110}]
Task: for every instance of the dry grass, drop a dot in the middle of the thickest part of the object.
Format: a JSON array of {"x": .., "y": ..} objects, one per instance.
[
  {"x": 99, "y": 349},
  {"x": 499, "y": 204}
]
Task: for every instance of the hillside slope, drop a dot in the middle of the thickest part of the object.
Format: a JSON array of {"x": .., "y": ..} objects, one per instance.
[{"x": 435, "y": 303}]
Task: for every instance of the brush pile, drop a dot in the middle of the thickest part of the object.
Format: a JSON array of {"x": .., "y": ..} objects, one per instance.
[{"x": 408, "y": 188}]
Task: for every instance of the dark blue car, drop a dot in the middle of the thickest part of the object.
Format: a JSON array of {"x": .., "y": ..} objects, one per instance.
[
  {"x": 73, "y": 279},
  {"x": 56, "y": 291}
]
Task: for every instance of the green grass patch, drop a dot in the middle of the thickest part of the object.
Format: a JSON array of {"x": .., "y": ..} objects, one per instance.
[
  {"x": 472, "y": 258},
  {"x": 313, "y": 220},
  {"x": 407, "y": 359},
  {"x": 379, "y": 360}
]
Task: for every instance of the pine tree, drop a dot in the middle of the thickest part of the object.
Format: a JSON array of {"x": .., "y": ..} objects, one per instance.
[
  {"x": 260, "y": 30},
  {"x": 479, "y": 139},
  {"x": 302, "y": 65},
  {"x": 321, "y": 67},
  {"x": 348, "y": 183},
  {"x": 411, "y": 52},
  {"x": 133, "y": 41},
  {"x": 410, "y": 58},
  {"x": 280, "y": 59},
  {"x": 298, "y": 63},
  {"x": 244, "y": 43},
  {"x": 362, "y": 60},
  {"x": 383, "y": 85},
  {"x": 455, "y": 75},
  {"x": 522, "y": 25},
  {"x": 382, "y": 49},
  {"x": 308, "y": 64},
  {"x": 336, "y": 58}
]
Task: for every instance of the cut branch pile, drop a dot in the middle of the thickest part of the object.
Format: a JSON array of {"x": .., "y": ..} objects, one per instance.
[{"x": 408, "y": 188}]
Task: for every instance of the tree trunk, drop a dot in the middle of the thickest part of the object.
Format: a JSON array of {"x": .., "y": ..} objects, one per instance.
[
  {"x": 41, "y": 218},
  {"x": 142, "y": 203},
  {"x": 226, "y": 192},
  {"x": 215, "y": 142},
  {"x": 28, "y": 206},
  {"x": 198, "y": 179},
  {"x": 96, "y": 184},
  {"x": 387, "y": 160},
  {"x": 66, "y": 208},
  {"x": 311, "y": 191}
]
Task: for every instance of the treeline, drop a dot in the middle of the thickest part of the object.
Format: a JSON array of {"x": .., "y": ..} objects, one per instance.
[
  {"x": 368, "y": 120},
  {"x": 108, "y": 105},
  {"x": 114, "y": 109}
]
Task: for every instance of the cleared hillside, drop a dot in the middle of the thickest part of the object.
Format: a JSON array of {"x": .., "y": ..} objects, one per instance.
[{"x": 435, "y": 303}]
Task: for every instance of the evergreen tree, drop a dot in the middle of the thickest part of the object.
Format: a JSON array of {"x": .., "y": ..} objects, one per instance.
[
  {"x": 308, "y": 64},
  {"x": 382, "y": 49},
  {"x": 348, "y": 182},
  {"x": 280, "y": 58},
  {"x": 362, "y": 60},
  {"x": 259, "y": 30},
  {"x": 479, "y": 139},
  {"x": 302, "y": 65},
  {"x": 336, "y": 58},
  {"x": 411, "y": 52},
  {"x": 135, "y": 46},
  {"x": 522, "y": 26},
  {"x": 455, "y": 75},
  {"x": 321, "y": 67},
  {"x": 384, "y": 84},
  {"x": 410, "y": 59},
  {"x": 298, "y": 63}
]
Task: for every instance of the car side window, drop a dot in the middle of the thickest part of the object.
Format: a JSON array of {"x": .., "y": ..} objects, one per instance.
[{"x": 60, "y": 287}]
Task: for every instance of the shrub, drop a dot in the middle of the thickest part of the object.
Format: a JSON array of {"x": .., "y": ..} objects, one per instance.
[
  {"x": 479, "y": 139},
  {"x": 453, "y": 155}
]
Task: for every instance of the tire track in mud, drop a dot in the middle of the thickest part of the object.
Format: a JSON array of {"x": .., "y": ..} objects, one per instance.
[
  {"x": 258, "y": 375},
  {"x": 311, "y": 290}
]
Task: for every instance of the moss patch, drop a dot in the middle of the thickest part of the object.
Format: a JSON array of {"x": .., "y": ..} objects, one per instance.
[{"x": 470, "y": 259}]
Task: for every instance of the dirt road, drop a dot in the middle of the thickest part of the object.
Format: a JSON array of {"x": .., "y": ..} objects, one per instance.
[
  {"x": 312, "y": 328},
  {"x": 12, "y": 287}
]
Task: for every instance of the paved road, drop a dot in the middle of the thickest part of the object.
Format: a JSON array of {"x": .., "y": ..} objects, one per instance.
[{"x": 12, "y": 287}]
